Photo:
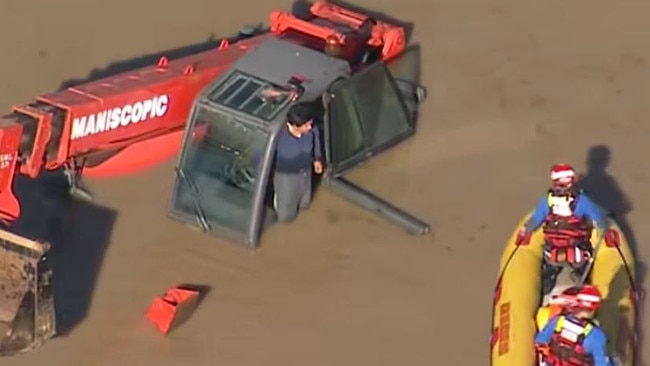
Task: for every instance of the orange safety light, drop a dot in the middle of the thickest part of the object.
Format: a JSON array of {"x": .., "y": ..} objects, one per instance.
[{"x": 333, "y": 46}]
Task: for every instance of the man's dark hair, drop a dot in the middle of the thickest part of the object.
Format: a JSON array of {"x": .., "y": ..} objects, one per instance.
[{"x": 300, "y": 113}]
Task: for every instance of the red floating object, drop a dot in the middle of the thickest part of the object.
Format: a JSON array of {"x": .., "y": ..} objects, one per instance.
[{"x": 172, "y": 309}]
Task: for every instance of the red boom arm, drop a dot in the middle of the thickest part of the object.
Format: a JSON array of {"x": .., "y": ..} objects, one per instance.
[{"x": 133, "y": 120}]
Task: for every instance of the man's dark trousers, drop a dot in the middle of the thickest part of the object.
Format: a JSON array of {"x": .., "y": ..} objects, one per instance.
[{"x": 292, "y": 193}]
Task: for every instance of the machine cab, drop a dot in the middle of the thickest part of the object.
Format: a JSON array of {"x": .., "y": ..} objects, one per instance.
[{"x": 224, "y": 170}]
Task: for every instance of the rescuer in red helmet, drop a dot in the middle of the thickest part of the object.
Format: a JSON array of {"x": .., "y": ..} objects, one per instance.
[
  {"x": 565, "y": 209},
  {"x": 573, "y": 338}
]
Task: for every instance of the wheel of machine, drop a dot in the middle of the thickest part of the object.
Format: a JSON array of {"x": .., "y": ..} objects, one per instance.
[{"x": 301, "y": 10}]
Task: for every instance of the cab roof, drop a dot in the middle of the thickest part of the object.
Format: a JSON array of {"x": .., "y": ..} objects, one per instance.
[{"x": 276, "y": 61}]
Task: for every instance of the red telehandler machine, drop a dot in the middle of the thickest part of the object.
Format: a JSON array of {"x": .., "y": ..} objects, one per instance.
[{"x": 222, "y": 109}]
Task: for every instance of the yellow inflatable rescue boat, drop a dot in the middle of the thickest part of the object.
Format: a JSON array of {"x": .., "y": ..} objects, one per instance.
[{"x": 518, "y": 308}]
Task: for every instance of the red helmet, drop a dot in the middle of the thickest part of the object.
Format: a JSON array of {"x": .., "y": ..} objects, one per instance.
[
  {"x": 563, "y": 176},
  {"x": 586, "y": 297}
]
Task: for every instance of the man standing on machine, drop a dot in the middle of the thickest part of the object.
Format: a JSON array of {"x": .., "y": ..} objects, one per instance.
[{"x": 298, "y": 155}]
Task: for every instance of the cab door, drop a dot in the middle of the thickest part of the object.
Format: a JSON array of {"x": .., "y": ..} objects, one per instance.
[
  {"x": 367, "y": 114},
  {"x": 371, "y": 112}
]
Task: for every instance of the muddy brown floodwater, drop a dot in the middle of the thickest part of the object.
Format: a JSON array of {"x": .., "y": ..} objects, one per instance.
[{"x": 514, "y": 86}]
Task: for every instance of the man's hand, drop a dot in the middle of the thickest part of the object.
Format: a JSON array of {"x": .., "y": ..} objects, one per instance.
[{"x": 318, "y": 167}]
